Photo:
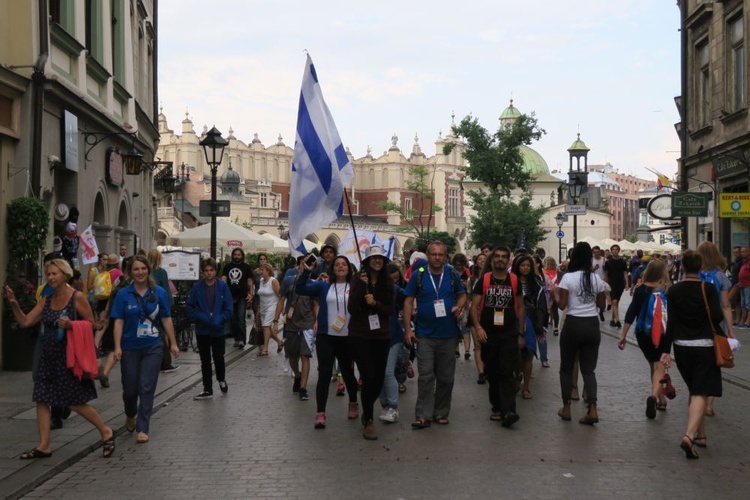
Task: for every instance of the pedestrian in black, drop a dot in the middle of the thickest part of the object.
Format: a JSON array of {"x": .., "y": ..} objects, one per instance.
[{"x": 239, "y": 276}]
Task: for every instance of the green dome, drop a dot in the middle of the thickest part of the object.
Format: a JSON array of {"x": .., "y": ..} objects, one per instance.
[
  {"x": 510, "y": 113},
  {"x": 533, "y": 163}
]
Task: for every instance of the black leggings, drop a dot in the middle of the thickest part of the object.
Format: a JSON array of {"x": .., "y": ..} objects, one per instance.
[
  {"x": 330, "y": 347},
  {"x": 555, "y": 315},
  {"x": 209, "y": 345},
  {"x": 371, "y": 356},
  {"x": 580, "y": 336}
]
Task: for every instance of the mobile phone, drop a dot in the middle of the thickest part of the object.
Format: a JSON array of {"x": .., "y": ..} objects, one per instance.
[{"x": 311, "y": 260}]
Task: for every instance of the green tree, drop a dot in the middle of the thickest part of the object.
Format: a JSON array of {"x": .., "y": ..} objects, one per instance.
[
  {"x": 495, "y": 160},
  {"x": 632, "y": 238},
  {"x": 517, "y": 218},
  {"x": 419, "y": 218},
  {"x": 441, "y": 236}
]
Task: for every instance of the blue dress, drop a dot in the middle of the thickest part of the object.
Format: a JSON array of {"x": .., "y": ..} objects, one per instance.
[{"x": 55, "y": 384}]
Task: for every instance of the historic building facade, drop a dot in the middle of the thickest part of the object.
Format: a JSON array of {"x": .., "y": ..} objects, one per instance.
[{"x": 78, "y": 90}]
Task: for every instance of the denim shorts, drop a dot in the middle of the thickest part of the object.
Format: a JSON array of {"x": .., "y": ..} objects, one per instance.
[{"x": 745, "y": 298}]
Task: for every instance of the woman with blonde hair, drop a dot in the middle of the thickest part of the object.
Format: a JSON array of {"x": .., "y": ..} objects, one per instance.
[
  {"x": 268, "y": 293},
  {"x": 162, "y": 279},
  {"x": 712, "y": 271},
  {"x": 54, "y": 383},
  {"x": 655, "y": 278}
]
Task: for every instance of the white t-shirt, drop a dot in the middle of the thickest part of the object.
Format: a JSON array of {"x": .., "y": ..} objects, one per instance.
[
  {"x": 581, "y": 304},
  {"x": 337, "y": 302},
  {"x": 597, "y": 265}
]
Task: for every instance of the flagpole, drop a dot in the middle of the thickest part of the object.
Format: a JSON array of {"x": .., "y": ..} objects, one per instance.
[{"x": 354, "y": 228}]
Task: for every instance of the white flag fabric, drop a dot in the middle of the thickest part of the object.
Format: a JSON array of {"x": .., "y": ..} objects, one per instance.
[
  {"x": 90, "y": 248},
  {"x": 348, "y": 246},
  {"x": 320, "y": 168}
]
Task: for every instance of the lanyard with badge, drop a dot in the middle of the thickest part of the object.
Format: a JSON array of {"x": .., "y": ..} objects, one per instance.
[
  {"x": 338, "y": 325},
  {"x": 438, "y": 303},
  {"x": 498, "y": 315},
  {"x": 146, "y": 328},
  {"x": 373, "y": 318}
]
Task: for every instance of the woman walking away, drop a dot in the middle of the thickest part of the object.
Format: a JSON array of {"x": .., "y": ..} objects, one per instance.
[
  {"x": 142, "y": 316},
  {"x": 54, "y": 383},
  {"x": 268, "y": 294},
  {"x": 551, "y": 279},
  {"x": 655, "y": 279},
  {"x": 582, "y": 295},
  {"x": 331, "y": 337},
  {"x": 477, "y": 271},
  {"x": 371, "y": 303},
  {"x": 209, "y": 307},
  {"x": 692, "y": 307}
]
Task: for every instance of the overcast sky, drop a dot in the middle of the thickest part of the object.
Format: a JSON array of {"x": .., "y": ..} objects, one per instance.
[{"x": 607, "y": 68}]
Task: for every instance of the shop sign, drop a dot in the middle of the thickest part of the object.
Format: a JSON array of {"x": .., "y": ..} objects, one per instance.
[
  {"x": 690, "y": 204},
  {"x": 734, "y": 205},
  {"x": 660, "y": 207},
  {"x": 114, "y": 172},
  {"x": 730, "y": 165}
]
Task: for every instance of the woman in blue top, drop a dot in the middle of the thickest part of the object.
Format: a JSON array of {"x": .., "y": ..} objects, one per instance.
[
  {"x": 209, "y": 306},
  {"x": 332, "y": 332},
  {"x": 141, "y": 313}
]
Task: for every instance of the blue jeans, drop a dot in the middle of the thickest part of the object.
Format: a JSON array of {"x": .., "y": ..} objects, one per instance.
[
  {"x": 542, "y": 345},
  {"x": 389, "y": 394},
  {"x": 239, "y": 325},
  {"x": 140, "y": 374}
]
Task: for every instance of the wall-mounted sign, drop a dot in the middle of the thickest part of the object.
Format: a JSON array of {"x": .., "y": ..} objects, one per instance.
[
  {"x": 70, "y": 141},
  {"x": 690, "y": 204},
  {"x": 734, "y": 205},
  {"x": 575, "y": 209},
  {"x": 660, "y": 207},
  {"x": 113, "y": 168},
  {"x": 222, "y": 208},
  {"x": 731, "y": 164}
]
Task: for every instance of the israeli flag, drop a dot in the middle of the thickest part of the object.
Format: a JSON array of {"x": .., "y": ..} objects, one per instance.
[{"x": 320, "y": 167}]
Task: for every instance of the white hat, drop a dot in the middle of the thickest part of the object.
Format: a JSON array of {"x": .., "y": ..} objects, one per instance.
[
  {"x": 416, "y": 256},
  {"x": 375, "y": 251},
  {"x": 62, "y": 212},
  {"x": 71, "y": 228},
  {"x": 57, "y": 244}
]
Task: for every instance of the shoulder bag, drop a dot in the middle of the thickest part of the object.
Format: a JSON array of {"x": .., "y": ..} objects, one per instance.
[{"x": 724, "y": 356}]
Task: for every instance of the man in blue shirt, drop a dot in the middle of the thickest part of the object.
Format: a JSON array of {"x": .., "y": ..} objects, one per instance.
[{"x": 440, "y": 298}]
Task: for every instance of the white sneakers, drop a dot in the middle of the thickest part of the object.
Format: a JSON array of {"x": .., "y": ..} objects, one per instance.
[{"x": 389, "y": 415}]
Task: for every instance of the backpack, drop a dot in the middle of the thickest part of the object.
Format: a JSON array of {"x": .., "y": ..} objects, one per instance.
[
  {"x": 652, "y": 319},
  {"x": 102, "y": 286},
  {"x": 455, "y": 278},
  {"x": 712, "y": 277}
]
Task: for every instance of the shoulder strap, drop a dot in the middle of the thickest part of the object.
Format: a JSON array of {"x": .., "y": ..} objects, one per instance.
[
  {"x": 485, "y": 285},
  {"x": 708, "y": 309}
]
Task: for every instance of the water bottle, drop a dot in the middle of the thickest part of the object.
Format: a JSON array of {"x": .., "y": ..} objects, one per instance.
[{"x": 61, "y": 330}]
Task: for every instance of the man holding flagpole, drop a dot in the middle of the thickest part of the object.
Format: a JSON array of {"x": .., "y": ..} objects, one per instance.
[{"x": 320, "y": 167}]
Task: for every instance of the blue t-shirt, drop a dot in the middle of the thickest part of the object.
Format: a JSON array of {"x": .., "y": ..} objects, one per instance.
[
  {"x": 430, "y": 290},
  {"x": 141, "y": 318}
]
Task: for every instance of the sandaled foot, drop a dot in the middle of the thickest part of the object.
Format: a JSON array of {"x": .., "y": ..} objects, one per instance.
[
  {"x": 401, "y": 388},
  {"x": 142, "y": 438},
  {"x": 441, "y": 420},
  {"x": 687, "y": 446},
  {"x": 35, "y": 453},
  {"x": 420, "y": 423},
  {"x": 662, "y": 405},
  {"x": 526, "y": 394},
  {"x": 700, "y": 441},
  {"x": 710, "y": 412},
  {"x": 108, "y": 447},
  {"x": 496, "y": 416}
]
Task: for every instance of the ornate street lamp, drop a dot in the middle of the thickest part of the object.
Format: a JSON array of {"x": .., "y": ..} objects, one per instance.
[
  {"x": 213, "y": 147},
  {"x": 281, "y": 230}
]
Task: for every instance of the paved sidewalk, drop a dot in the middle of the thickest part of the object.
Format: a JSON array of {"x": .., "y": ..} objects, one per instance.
[{"x": 77, "y": 438}]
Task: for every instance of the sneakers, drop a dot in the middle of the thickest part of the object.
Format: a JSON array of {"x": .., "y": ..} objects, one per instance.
[
  {"x": 618, "y": 324},
  {"x": 612, "y": 324},
  {"x": 240, "y": 345},
  {"x": 389, "y": 415},
  {"x": 353, "y": 411},
  {"x": 467, "y": 356},
  {"x": 104, "y": 381},
  {"x": 458, "y": 354},
  {"x": 320, "y": 420},
  {"x": 171, "y": 368},
  {"x": 295, "y": 385},
  {"x": 340, "y": 390},
  {"x": 481, "y": 379},
  {"x": 224, "y": 387},
  {"x": 555, "y": 332},
  {"x": 509, "y": 419},
  {"x": 369, "y": 432},
  {"x": 204, "y": 395},
  {"x": 651, "y": 407},
  {"x": 303, "y": 394}
]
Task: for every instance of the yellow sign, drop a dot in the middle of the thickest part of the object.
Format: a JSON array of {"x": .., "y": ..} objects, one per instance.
[{"x": 734, "y": 205}]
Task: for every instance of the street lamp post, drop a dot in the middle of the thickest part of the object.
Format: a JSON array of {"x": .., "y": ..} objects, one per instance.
[
  {"x": 182, "y": 178},
  {"x": 213, "y": 147},
  {"x": 281, "y": 230},
  {"x": 560, "y": 219},
  {"x": 578, "y": 175}
]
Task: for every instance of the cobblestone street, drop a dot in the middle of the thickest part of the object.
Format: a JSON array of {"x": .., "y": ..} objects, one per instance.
[{"x": 259, "y": 442}]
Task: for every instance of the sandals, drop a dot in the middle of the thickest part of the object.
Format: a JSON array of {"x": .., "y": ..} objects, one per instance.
[
  {"x": 108, "y": 447},
  {"x": 661, "y": 406},
  {"x": 142, "y": 438},
  {"x": 35, "y": 453},
  {"x": 710, "y": 413},
  {"x": 280, "y": 347},
  {"x": 420, "y": 423},
  {"x": 401, "y": 388},
  {"x": 700, "y": 441},
  {"x": 263, "y": 353},
  {"x": 441, "y": 420},
  {"x": 687, "y": 446},
  {"x": 496, "y": 417},
  {"x": 526, "y": 394}
]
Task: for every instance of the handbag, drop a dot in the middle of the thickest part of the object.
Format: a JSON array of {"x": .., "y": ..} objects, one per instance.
[{"x": 722, "y": 351}]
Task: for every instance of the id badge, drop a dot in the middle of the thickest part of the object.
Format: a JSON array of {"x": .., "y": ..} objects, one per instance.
[
  {"x": 145, "y": 330},
  {"x": 290, "y": 312},
  {"x": 339, "y": 324},
  {"x": 374, "y": 322},
  {"x": 499, "y": 317},
  {"x": 439, "y": 308}
]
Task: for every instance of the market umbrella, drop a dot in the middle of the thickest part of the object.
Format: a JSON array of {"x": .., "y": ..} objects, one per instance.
[{"x": 228, "y": 235}]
